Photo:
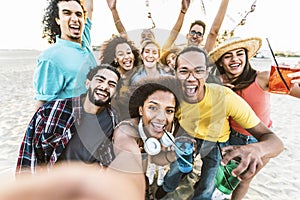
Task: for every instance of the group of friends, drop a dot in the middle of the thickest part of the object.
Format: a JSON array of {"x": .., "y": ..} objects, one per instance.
[{"x": 97, "y": 127}]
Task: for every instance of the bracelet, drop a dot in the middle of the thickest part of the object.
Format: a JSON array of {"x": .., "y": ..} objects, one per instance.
[
  {"x": 166, "y": 156},
  {"x": 182, "y": 12},
  {"x": 117, "y": 21}
]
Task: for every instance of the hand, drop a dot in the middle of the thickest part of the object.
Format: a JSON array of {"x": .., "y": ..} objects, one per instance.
[
  {"x": 295, "y": 76},
  {"x": 79, "y": 181},
  {"x": 112, "y": 4},
  {"x": 225, "y": 81},
  {"x": 185, "y": 5},
  {"x": 250, "y": 160},
  {"x": 295, "y": 89}
]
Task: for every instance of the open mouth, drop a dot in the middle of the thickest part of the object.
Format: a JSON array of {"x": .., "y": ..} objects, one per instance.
[
  {"x": 75, "y": 29},
  {"x": 191, "y": 90},
  {"x": 127, "y": 64},
  {"x": 101, "y": 94},
  {"x": 158, "y": 127},
  {"x": 234, "y": 66},
  {"x": 150, "y": 61}
]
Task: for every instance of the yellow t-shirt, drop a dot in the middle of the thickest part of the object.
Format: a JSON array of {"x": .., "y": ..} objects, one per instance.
[{"x": 208, "y": 119}]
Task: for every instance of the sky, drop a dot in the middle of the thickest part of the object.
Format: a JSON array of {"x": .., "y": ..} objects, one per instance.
[{"x": 275, "y": 20}]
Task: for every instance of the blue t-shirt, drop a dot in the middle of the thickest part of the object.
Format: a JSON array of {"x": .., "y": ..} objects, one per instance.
[{"x": 62, "y": 69}]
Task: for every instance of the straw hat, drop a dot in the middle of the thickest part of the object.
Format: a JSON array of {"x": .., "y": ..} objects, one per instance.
[
  {"x": 166, "y": 53},
  {"x": 252, "y": 45}
]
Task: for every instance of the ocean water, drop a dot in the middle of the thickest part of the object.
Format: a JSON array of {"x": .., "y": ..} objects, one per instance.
[{"x": 264, "y": 64}]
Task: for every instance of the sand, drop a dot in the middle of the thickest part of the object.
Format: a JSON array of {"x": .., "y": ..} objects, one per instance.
[{"x": 279, "y": 180}]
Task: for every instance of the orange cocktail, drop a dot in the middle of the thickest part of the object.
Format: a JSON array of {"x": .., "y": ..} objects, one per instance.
[{"x": 276, "y": 84}]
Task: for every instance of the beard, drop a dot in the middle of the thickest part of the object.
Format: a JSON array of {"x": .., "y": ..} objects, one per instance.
[{"x": 98, "y": 102}]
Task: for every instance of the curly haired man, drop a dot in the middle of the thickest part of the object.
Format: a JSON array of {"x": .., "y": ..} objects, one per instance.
[{"x": 62, "y": 68}]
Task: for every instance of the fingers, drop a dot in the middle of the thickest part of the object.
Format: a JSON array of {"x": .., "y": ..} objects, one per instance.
[
  {"x": 250, "y": 162},
  {"x": 293, "y": 75},
  {"x": 228, "y": 154}
]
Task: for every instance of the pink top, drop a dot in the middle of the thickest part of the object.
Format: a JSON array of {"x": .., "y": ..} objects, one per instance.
[{"x": 259, "y": 100}]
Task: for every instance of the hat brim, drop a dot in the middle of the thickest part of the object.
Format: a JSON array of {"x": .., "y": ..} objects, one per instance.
[{"x": 252, "y": 45}]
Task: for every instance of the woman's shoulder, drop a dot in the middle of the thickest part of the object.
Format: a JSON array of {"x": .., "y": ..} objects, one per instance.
[
  {"x": 128, "y": 124},
  {"x": 126, "y": 128},
  {"x": 262, "y": 79}
]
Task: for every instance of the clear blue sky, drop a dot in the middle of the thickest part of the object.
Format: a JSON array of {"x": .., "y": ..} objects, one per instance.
[{"x": 21, "y": 19}]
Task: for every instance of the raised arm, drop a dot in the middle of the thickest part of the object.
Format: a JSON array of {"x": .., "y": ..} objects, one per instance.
[
  {"x": 177, "y": 27},
  {"x": 89, "y": 6},
  {"x": 112, "y": 4},
  {"x": 215, "y": 27},
  {"x": 128, "y": 155}
]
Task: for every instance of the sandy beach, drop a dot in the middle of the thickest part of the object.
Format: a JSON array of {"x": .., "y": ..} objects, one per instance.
[{"x": 279, "y": 180}]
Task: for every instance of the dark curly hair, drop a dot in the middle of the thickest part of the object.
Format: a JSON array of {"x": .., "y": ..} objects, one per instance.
[
  {"x": 108, "y": 51},
  {"x": 50, "y": 28},
  {"x": 128, "y": 103}
]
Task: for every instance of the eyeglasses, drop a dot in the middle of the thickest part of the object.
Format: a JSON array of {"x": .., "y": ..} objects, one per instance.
[
  {"x": 199, "y": 34},
  {"x": 197, "y": 73}
]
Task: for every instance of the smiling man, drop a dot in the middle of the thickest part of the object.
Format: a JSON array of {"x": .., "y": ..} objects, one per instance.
[
  {"x": 73, "y": 129},
  {"x": 61, "y": 69},
  {"x": 204, "y": 114}
]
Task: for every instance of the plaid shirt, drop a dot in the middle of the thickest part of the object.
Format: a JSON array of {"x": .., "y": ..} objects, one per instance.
[{"x": 48, "y": 133}]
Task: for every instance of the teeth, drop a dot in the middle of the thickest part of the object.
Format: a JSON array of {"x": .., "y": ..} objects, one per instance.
[
  {"x": 190, "y": 90},
  {"x": 127, "y": 63},
  {"x": 74, "y": 26},
  {"x": 234, "y": 65},
  {"x": 158, "y": 125},
  {"x": 99, "y": 92},
  {"x": 191, "y": 87}
]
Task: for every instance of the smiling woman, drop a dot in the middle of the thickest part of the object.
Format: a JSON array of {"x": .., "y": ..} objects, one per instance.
[{"x": 152, "y": 105}]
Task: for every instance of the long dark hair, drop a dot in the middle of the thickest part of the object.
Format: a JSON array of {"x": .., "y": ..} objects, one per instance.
[
  {"x": 50, "y": 28},
  {"x": 247, "y": 77}
]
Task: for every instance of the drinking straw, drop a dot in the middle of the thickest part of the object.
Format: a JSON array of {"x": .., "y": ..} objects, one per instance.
[
  {"x": 175, "y": 145},
  {"x": 226, "y": 177},
  {"x": 277, "y": 66}
]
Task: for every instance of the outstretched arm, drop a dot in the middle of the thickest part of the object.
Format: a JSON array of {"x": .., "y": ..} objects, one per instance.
[
  {"x": 177, "y": 27},
  {"x": 89, "y": 6},
  {"x": 112, "y": 4},
  {"x": 216, "y": 25},
  {"x": 255, "y": 155},
  {"x": 79, "y": 181}
]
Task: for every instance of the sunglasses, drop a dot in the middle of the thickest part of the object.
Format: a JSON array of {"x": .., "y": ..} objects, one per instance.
[{"x": 199, "y": 34}]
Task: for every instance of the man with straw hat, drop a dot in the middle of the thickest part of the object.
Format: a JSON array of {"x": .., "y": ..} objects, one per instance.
[{"x": 232, "y": 59}]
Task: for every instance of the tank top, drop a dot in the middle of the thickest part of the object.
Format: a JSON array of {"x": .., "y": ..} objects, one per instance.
[{"x": 259, "y": 101}]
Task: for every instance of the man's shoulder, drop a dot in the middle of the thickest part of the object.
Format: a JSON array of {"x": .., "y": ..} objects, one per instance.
[
  {"x": 214, "y": 86},
  {"x": 61, "y": 105},
  {"x": 53, "y": 51},
  {"x": 220, "y": 91}
]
